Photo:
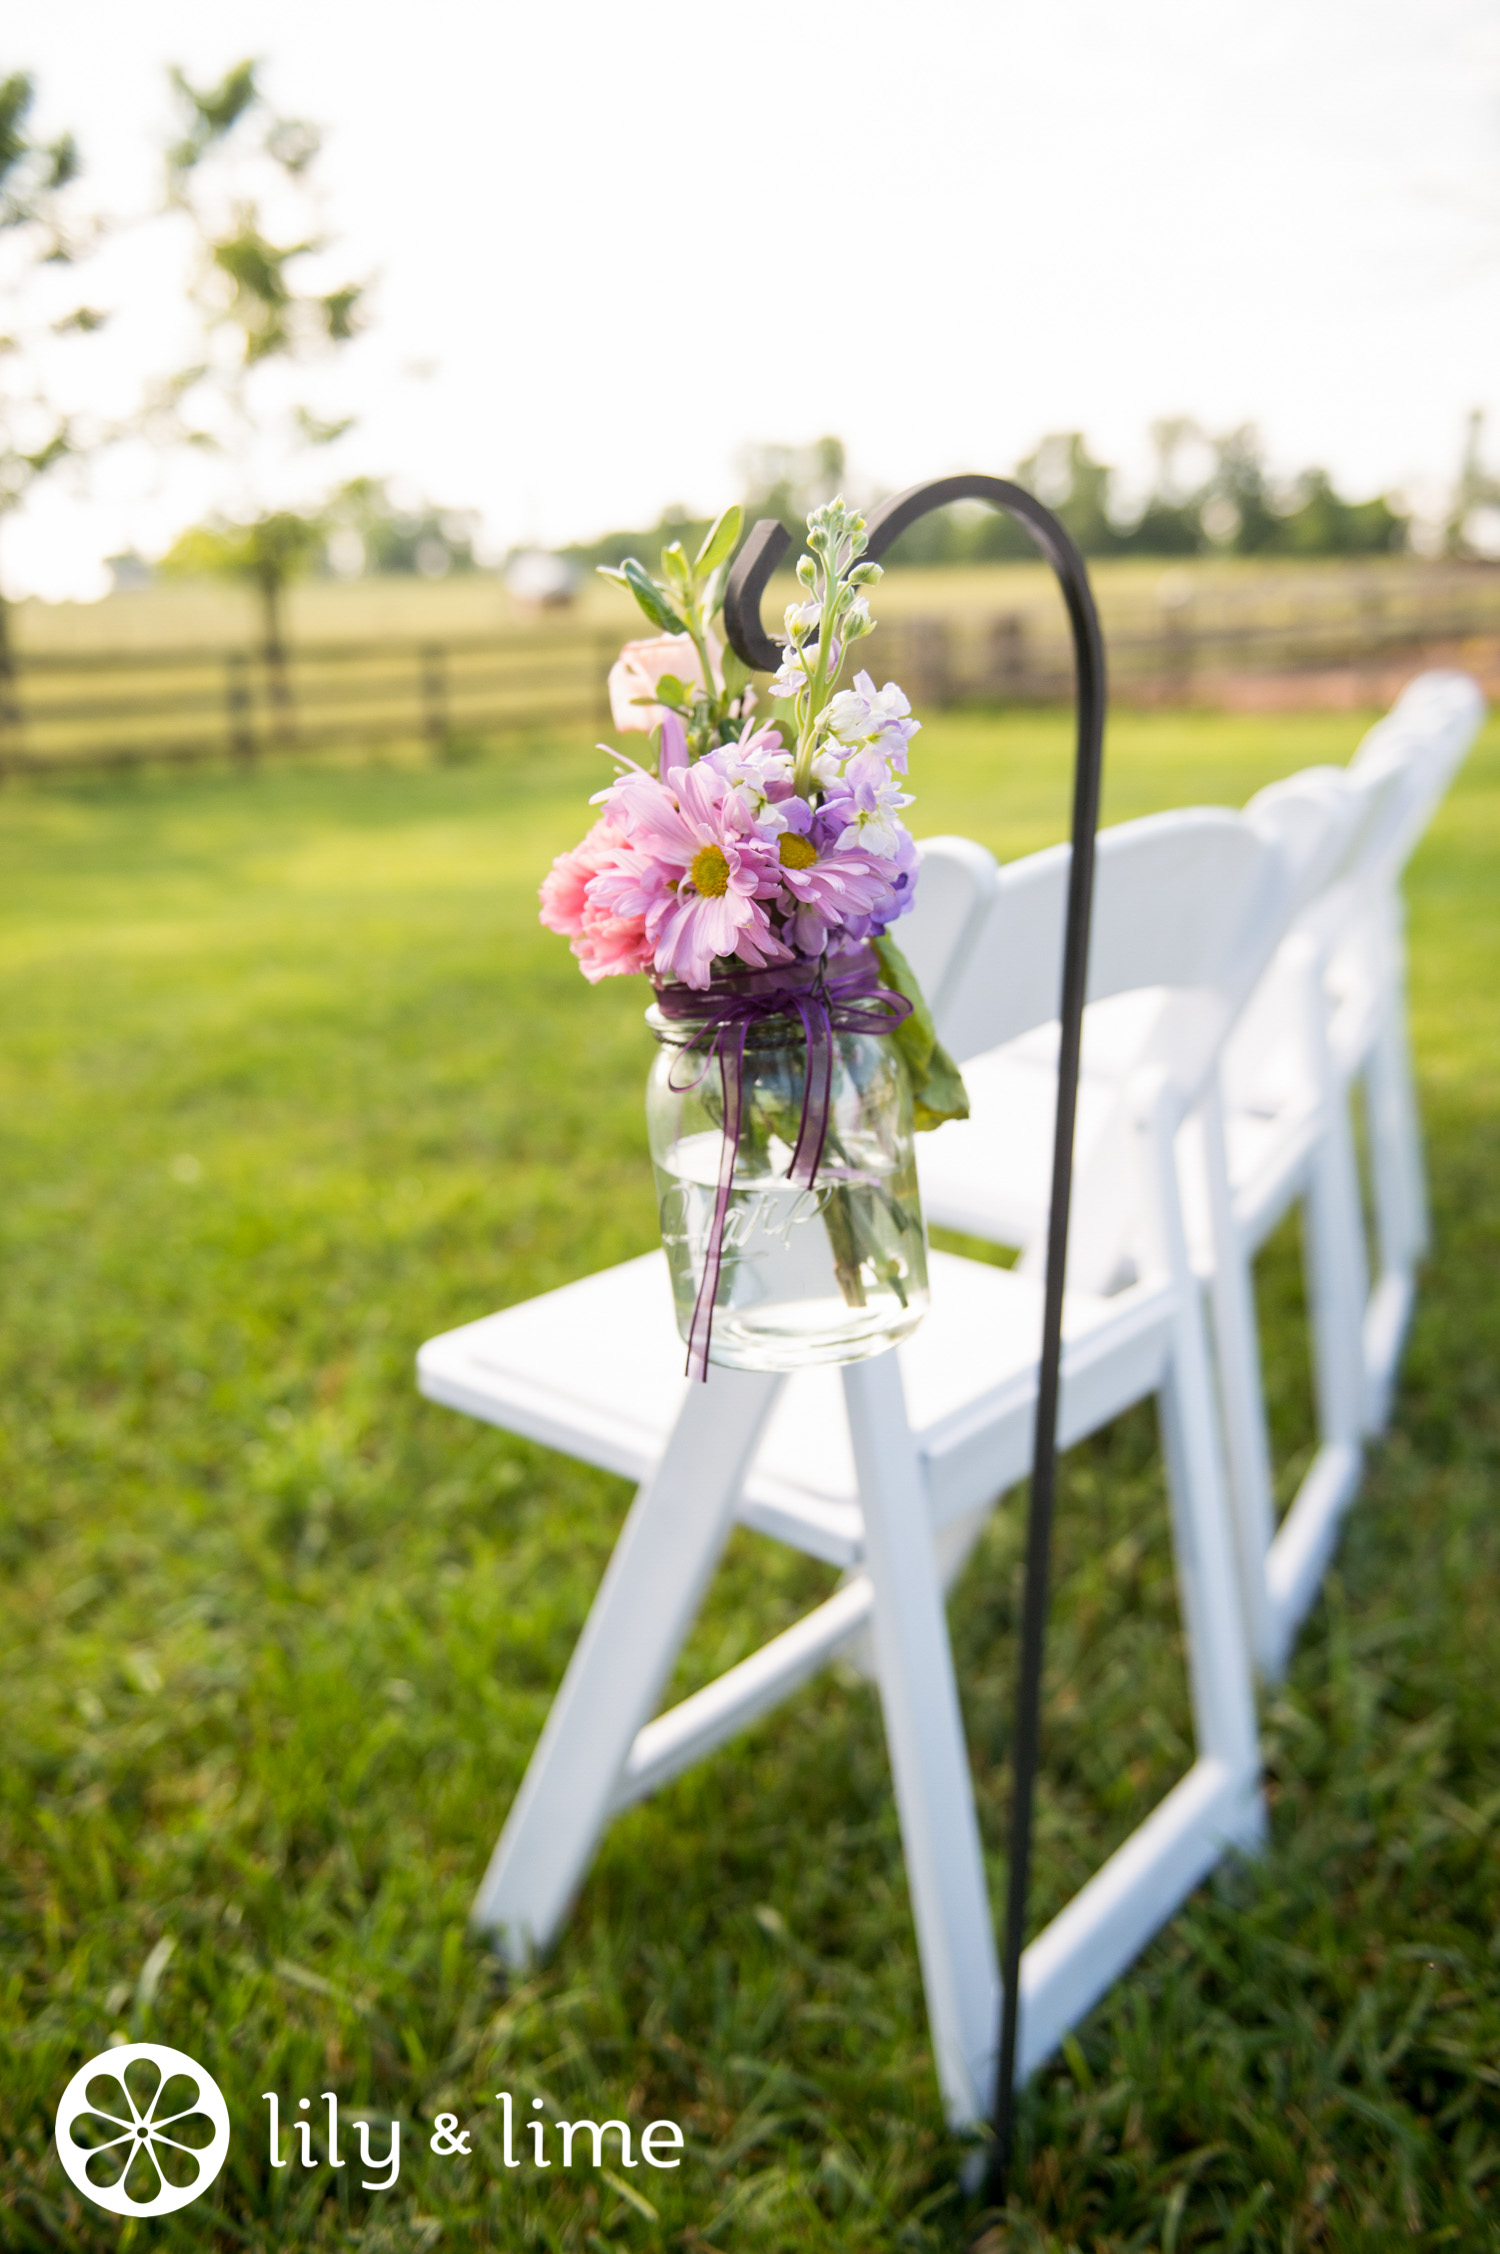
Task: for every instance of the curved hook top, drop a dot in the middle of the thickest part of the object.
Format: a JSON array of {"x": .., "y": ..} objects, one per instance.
[
  {"x": 753, "y": 566},
  {"x": 769, "y": 542}
]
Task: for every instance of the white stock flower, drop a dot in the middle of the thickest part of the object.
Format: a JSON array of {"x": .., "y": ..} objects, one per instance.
[
  {"x": 865, "y": 718},
  {"x": 791, "y": 676}
]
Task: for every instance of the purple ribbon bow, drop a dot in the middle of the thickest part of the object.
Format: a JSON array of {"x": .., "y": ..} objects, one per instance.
[{"x": 838, "y": 995}]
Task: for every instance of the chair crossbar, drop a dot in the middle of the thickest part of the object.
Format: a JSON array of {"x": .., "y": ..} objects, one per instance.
[
  {"x": 1214, "y": 1810},
  {"x": 743, "y": 1694}
]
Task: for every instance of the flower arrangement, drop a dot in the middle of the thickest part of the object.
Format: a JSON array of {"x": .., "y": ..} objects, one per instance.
[
  {"x": 753, "y": 870},
  {"x": 750, "y": 844}
]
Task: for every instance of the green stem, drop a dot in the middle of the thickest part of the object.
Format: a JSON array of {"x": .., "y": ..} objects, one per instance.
[{"x": 698, "y": 630}]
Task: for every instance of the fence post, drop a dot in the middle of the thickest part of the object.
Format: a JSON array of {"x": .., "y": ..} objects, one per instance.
[
  {"x": 929, "y": 661},
  {"x": 239, "y": 708},
  {"x": 434, "y": 694},
  {"x": 10, "y": 695},
  {"x": 1176, "y": 598},
  {"x": 1369, "y": 643},
  {"x": 1005, "y": 656}
]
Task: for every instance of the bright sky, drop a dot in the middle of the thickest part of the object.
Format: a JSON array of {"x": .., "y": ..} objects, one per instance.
[{"x": 627, "y": 240}]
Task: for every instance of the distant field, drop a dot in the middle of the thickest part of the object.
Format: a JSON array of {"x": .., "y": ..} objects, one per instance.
[{"x": 175, "y": 616}]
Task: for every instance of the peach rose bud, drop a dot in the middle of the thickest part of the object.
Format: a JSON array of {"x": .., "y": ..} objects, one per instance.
[{"x": 638, "y": 668}]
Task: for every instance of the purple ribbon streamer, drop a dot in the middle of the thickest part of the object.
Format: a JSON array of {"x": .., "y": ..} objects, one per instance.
[{"x": 842, "y": 995}]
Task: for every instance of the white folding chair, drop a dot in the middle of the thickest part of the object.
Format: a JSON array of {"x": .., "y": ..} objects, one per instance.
[
  {"x": 870, "y": 1467},
  {"x": 1426, "y": 736},
  {"x": 1332, "y": 1014},
  {"x": 987, "y": 1176},
  {"x": 1275, "y": 1129}
]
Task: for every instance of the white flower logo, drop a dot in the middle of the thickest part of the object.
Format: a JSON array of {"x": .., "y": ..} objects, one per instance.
[{"x": 142, "y": 2130}]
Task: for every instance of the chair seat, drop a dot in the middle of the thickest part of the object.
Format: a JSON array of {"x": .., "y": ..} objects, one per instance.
[
  {"x": 1013, "y": 1092},
  {"x": 596, "y": 1369},
  {"x": 963, "y": 1188}
]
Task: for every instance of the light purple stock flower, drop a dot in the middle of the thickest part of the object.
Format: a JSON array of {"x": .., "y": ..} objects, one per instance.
[
  {"x": 868, "y": 799},
  {"x": 758, "y": 770},
  {"x": 865, "y": 718},
  {"x": 901, "y": 878}
]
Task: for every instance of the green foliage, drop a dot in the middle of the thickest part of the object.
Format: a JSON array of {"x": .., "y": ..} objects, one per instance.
[
  {"x": 937, "y": 1087},
  {"x": 39, "y": 228},
  {"x": 651, "y": 596},
  {"x": 33, "y": 173},
  {"x": 266, "y": 554},
  {"x": 686, "y": 600},
  {"x": 249, "y": 291},
  {"x": 396, "y": 538},
  {"x": 1234, "y": 510},
  {"x": 290, "y": 1079},
  {"x": 213, "y": 112},
  {"x": 246, "y": 285}
]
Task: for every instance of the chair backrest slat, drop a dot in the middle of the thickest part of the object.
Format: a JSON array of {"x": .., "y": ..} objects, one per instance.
[
  {"x": 1191, "y": 902},
  {"x": 955, "y": 883}
]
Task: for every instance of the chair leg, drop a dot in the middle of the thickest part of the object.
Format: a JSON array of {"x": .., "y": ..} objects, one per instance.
[
  {"x": 924, "y": 1734},
  {"x": 1218, "y": 1804},
  {"x": 1242, "y": 1395},
  {"x": 1400, "y": 1192},
  {"x": 645, "y": 1607},
  {"x": 1219, "y": 1676},
  {"x": 1337, "y": 1273},
  {"x": 1401, "y": 1201}
]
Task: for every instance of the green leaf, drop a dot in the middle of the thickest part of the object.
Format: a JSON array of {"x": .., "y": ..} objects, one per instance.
[
  {"x": 719, "y": 540},
  {"x": 670, "y": 691},
  {"x": 652, "y": 599},
  {"x": 937, "y": 1086},
  {"x": 676, "y": 567},
  {"x": 713, "y": 601},
  {"x": 735, "y": 671}
]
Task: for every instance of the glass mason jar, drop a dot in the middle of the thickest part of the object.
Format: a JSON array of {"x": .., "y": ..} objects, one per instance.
[{"x": 828, "y": 1272}]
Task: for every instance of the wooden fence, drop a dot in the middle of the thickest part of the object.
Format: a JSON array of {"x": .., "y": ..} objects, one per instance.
[
  {"x": 1193, "y": 640},
  {"x": 121, "y": 708},
  {"x": 1186, "y": 640}
]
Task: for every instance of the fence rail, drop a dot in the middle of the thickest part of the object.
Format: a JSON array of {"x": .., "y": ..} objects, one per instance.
[{"x": 1186, "y": 642}]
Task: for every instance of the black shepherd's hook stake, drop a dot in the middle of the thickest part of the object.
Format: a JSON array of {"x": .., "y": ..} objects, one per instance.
[{"x": 764, "y": 549}]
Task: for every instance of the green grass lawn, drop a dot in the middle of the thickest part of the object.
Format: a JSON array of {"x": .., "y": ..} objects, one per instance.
[{"x": 290, "y": 1079}]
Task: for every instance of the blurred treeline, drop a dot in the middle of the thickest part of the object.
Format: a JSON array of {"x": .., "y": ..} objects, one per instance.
[{"x": 1210, "y": 495}]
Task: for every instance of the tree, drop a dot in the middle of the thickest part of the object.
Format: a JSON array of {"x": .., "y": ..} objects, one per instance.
[
  {"x": 1171, "y": 523},
  {"x": 1063, "y": 473},
  {"x": 1320, "y": 522},
  {"x": 788, "y": 482},
  {"x": 241, "y": 175},
  {"x": 1236, "y": 511},
  {"x": 40, "y": 234},
  {"x": 371, "y": 530}
]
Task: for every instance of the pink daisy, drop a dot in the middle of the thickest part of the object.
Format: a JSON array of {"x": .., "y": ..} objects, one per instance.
[{"x": 702, "y": 873}]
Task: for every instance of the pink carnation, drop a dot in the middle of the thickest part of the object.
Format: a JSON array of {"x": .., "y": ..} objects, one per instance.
[{"x": 607, "y": 943}]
